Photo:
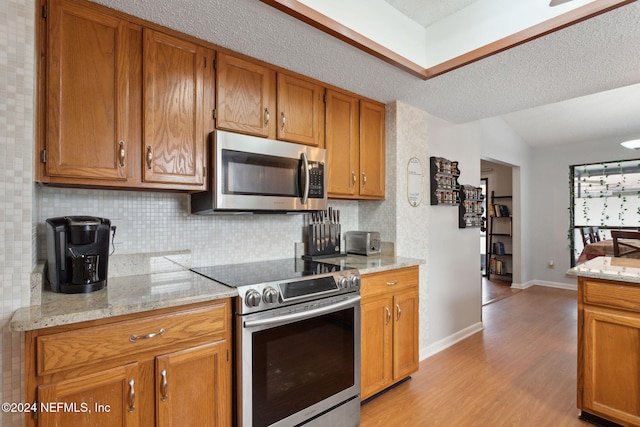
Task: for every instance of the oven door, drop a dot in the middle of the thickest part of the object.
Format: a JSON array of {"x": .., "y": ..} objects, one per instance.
[{"x": 301, "y": 363}]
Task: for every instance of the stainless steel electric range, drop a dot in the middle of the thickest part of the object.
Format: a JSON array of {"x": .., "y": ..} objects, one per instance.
[{"x": 297, "y": 340}]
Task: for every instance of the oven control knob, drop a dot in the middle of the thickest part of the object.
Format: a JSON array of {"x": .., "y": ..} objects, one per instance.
[
  {"x": 354, "y": 280},
  {"x": 270, "y": 295},
  {"x": 343, "y": 282},
  {"x": 252, "y": 298}
]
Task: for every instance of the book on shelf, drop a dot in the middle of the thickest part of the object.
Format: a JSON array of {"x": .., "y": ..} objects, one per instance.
[
  {"x": 498, "y": 267},
  {"x": 498, "y": 248},
  {"x": 499, "y": 210}
]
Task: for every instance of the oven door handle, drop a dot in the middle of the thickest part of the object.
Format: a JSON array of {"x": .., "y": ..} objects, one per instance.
[{"x": 303, "y": 314}]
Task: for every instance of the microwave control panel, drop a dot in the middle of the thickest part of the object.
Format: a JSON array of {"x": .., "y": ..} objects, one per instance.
[{"x": 316, "y": 180}]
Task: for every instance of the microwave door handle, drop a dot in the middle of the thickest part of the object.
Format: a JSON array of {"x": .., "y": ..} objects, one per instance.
[{"x": 305, "y": 190}]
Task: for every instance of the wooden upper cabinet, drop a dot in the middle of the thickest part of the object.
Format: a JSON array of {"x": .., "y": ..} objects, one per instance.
[
  {"x": 246, "y": 96},
  {"x": 87, "y": 110},
  {"x": 107, "y": 123},
  {"x": 372, "y": 150},
  {"x": 254, "y": 99},
  {"x": 355, "y": 147},
  {"x": 342, "y": 143},
  {"x": 176, "y": 78},
  {"x": 300, "y": 111}
]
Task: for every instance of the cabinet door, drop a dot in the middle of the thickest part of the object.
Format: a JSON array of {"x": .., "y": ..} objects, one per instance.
[
  {"x": 175, "y": 109},
  {"x": 405, "y": 334},
  {"x": 245, "y": 97},
  {"x": 106, "y": 398},
  {"x": 343, "y": 139},
  {"x": 376, "y": 346},
  {"x": 88, "y": 62},
  {"x": 300, "y": 111},
  {"x": 194, "y": 386},
  {"x": 611, "y": 379},
  {"x": 372, "y": 154}
]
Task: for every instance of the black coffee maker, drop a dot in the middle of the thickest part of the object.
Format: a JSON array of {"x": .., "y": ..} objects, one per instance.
[{"x": 77, "y": 253}]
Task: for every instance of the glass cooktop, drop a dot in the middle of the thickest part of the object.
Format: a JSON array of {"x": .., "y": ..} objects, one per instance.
[{"x": 254, "y": 273}]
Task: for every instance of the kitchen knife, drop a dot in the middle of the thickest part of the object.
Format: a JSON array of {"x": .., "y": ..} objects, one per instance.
[
  {"x": 339, "y": 227},
  {"x": 317, "y": 227}
]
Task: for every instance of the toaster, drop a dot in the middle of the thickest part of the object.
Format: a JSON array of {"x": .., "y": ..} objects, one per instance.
[{"x": 363, "y": 242}]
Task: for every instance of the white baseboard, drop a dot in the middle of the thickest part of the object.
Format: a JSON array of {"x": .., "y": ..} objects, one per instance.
[
  {"x": 530, "y": 283},
  {"x": 444, "y": 343},
  {"x": 526, "y": 285},
  {"x": 570, "y": 287}
]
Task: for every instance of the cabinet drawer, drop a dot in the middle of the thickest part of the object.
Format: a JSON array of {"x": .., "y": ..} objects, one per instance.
[
  {"x": 610, "y": 294},
  {"x": 389, "y": 281},
  {"x": 64, "y": 350}
]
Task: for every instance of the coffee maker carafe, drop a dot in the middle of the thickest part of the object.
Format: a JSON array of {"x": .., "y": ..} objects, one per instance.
[{"x": 77, "y": 253}]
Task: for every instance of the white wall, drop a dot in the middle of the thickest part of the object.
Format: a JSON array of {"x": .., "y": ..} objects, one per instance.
[
  {"x": 453, "y": 261},
  {"x": 551, "y": 198}
]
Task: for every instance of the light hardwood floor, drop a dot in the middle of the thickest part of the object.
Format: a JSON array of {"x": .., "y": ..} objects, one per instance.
[
  {"x": 519, "y": 371},
  {"x": 495, "y": 290}
]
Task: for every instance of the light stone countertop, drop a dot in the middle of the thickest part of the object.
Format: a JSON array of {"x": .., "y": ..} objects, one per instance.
[
  {"x": 374, "y": 263},
  {"x": 154, "y": 281},
  {"x": 144, "y": 282},
  {"x": 609, "y": 268}
]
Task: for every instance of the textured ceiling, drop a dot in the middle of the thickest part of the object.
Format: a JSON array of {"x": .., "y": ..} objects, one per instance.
[{"x": 590, "y": 57}]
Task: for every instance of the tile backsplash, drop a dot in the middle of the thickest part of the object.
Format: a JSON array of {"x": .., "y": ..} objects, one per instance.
[
  {"x": 17, "y": 76},
  {"x": 159, "y": 222}
]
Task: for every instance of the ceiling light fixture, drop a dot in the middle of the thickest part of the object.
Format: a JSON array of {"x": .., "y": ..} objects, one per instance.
[
  {"x": 558, "y": 2},
  {"x": 632, "y": 144}
]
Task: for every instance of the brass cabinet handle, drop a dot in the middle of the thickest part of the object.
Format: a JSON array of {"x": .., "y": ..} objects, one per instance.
[
  {"x": 149, "y": 156},
  {"x": 388, "y": 316},
  {"x": 395, "y": 282},
  {"x": 133, "y": 338},
  {"x": 398, "y": 312},
  {"x": 364, "y": 179},
  {"x": 266, "y": 117},
  {"x": 164, "y": 385},
  {"x": 121, "y": 153},
  {"x": 353, "y": 177},
  {"x": 132, "y": 396},
  {"x": 284, "y": 119}
]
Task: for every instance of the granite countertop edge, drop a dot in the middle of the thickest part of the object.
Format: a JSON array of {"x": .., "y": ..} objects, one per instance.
[
  {"x": 605, "y": 268},
  {"x": 65, "y": 309},
  {"x": 169, "y": 287}
]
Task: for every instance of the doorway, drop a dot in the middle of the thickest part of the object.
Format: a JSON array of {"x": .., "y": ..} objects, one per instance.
[
  {"x": 483, "y": 230},
  {"x": 497, "y": 264}
]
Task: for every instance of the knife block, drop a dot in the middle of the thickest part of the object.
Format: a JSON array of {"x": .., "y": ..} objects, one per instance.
[{"x": 319, "y": 242}]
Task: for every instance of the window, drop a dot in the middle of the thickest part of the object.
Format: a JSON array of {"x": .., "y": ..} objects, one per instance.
[{"x": 605, "y": 195}]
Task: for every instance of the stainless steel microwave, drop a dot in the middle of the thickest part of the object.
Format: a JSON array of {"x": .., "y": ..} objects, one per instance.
[{"x": 252, "y": 174}]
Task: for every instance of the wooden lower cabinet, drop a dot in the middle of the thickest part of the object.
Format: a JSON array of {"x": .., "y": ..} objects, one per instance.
[
  {"x": 174, "y": 370},
  {"x": 389, "y": 326},
  {"x": 106, "y": 397},
  {"x": 190, "y": 381},
  {"x": 609, "y": 350}
]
